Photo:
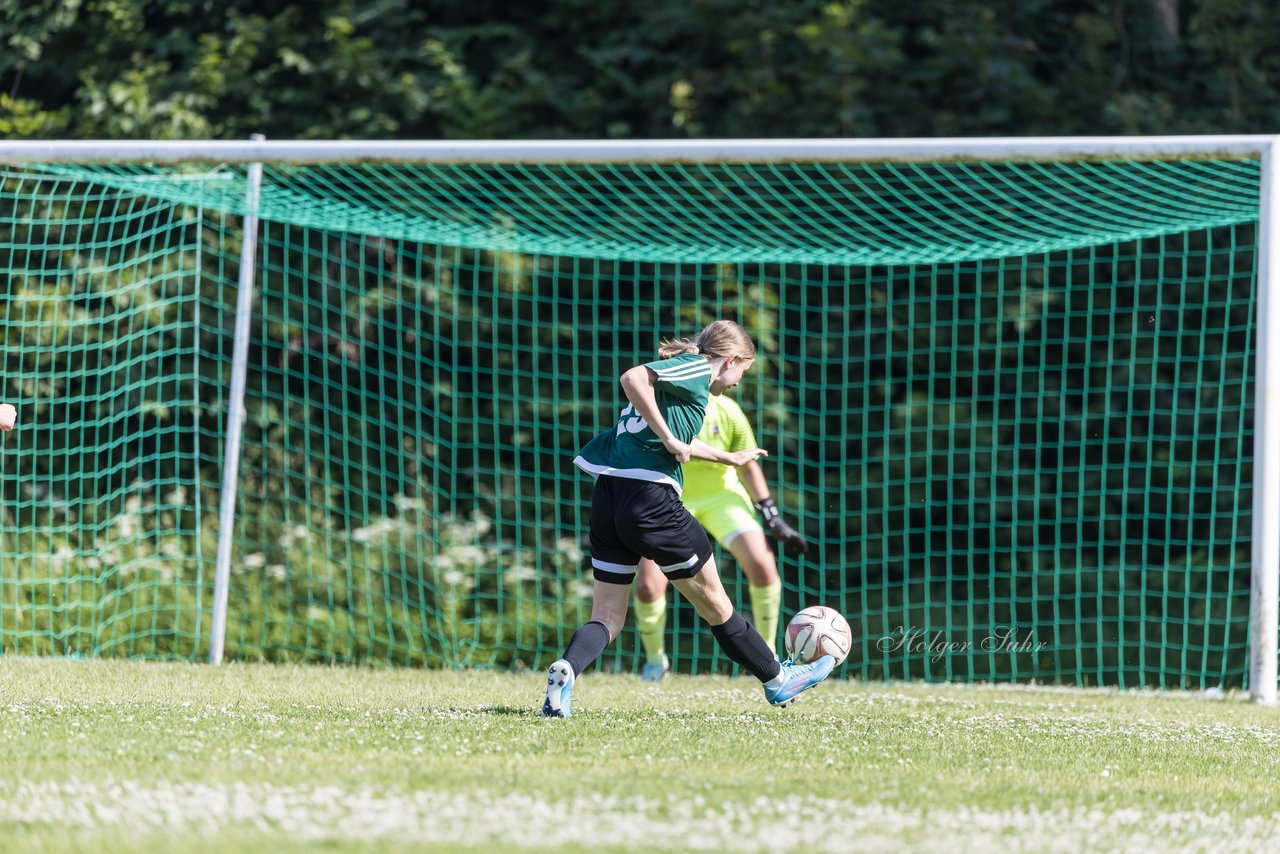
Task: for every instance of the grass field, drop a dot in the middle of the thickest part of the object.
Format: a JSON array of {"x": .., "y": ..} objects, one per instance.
[{"x": 128, "y": 756}]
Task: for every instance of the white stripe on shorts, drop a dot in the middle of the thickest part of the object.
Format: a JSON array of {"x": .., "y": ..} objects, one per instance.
[
  {"x": 684, "y": 564},
  {"x": 615, "y": 567}
]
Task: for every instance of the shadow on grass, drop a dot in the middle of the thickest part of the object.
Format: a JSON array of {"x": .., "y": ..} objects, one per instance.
[
  {"x": 508, "y": 710},
  {"x": 464, "y": 711}
]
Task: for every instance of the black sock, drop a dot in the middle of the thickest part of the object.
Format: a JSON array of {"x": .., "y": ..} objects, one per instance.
[
  {"x": 586, "y": 645},
  {"x": 743, "y": 644}
]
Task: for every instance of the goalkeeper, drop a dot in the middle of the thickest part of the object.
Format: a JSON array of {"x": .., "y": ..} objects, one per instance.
[{"x": 721, "y": 498}]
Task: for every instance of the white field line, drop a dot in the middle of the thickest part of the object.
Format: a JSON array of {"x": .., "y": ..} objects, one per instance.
[{"x": 517, "y": 821}]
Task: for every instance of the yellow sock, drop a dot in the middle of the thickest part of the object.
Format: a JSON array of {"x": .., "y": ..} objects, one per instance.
[
  {"x": 651, "y": 620},
  {"x": 766, "y": 602}
]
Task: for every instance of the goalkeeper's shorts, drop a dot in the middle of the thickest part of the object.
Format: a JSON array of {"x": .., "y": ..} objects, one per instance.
[{"x": 726, "y": 514}]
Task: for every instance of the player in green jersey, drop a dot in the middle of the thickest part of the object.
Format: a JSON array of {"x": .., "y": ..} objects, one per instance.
[
  {"x": 724, "y": 500},
  {"x": 636, "y": 512}
]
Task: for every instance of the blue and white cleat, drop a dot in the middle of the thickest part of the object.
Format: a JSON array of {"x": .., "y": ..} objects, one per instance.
[
  {"x": 654, "y": 671},
  {"x": 559, "y": 690},
  {"x": 797, "y": 678}
]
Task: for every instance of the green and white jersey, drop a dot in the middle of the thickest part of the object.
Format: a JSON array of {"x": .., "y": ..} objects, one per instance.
[
  {"x": 725, "y": 427},
  {"x": 631, "y": 449}
]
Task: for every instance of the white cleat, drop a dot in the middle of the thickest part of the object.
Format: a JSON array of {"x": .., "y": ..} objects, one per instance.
[{"x": 559, "y": 690}]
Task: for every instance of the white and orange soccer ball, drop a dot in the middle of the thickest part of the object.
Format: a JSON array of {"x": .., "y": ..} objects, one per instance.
[{"x": 817, "y": 631}]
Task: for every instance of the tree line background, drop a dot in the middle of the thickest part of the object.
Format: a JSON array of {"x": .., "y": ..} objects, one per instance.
[{"x": 453, "y": 69}]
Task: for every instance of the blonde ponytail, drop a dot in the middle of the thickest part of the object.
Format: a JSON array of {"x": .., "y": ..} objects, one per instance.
[
  {"x": 719, "y": 338},
  {"x": 677, "y": 347}
]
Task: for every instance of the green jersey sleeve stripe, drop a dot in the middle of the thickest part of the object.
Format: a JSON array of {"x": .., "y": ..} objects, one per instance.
[
  {"x": 684, "y": 373},
  {"x": 698, "y": 365}
]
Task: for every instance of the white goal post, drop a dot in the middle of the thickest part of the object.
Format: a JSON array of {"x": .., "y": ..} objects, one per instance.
[{"x": 1265, "y": 587}]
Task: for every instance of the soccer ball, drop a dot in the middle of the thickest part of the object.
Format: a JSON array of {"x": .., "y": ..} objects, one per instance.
[{"x": 817, "y": 631}]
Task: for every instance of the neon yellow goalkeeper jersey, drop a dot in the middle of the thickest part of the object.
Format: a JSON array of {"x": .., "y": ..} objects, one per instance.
[{"x": 727, "y": 428}]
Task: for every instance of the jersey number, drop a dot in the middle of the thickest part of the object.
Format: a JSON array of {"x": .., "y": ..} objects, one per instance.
[{"x": 633, "y": 424}]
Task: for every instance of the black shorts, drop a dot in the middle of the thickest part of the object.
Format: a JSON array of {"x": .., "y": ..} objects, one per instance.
[{"x": 631, "y": 519}]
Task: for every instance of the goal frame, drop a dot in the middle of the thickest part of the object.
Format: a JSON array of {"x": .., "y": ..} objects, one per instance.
[{"x": 1264, "y": 608}]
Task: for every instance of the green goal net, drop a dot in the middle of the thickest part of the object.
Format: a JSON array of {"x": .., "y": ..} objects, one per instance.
[{"x": 1010, "y": 403}]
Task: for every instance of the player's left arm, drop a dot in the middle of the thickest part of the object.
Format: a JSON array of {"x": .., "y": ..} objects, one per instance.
[
  {"x": 752, "y": 477},
  {"x": 743, "y": 456}
]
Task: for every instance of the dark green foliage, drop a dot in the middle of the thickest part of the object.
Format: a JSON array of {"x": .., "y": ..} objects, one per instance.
[{"x": 571, "y": 68}]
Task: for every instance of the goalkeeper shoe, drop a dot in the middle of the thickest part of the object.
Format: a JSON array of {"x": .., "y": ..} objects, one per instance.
[
  {"x": 654, "y": 671},
  {"x": 797, "y": 678},
  {"x": 559, "y": 690}
]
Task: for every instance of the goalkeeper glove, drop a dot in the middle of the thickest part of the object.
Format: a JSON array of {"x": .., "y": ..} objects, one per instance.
[{"x": 792, "y": 540}]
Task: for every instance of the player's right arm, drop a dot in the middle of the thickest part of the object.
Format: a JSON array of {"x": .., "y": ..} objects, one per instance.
[
  {"x": 639, "y": 384},
  {"x": 702, "y": 451},
  {"x": 752, "y": 477}
]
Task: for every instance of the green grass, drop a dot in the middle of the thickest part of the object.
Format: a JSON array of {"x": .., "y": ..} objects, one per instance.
[{"x": 129, "y": 756}]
